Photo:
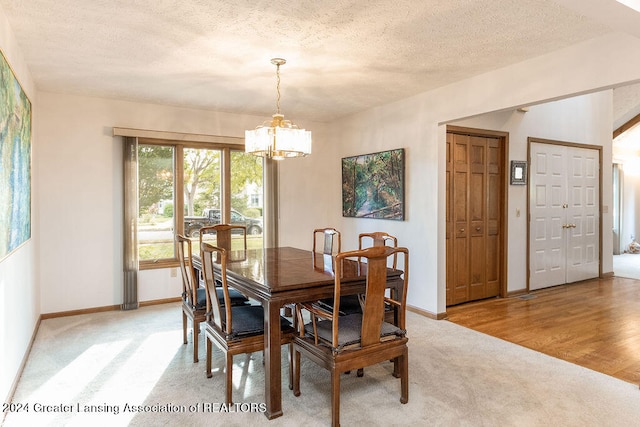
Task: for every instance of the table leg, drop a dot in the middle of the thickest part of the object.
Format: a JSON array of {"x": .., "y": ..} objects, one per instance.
[{"x": 272, "y": 356}]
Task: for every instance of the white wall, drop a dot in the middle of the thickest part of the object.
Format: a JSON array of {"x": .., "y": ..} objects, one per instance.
[
  {"x": 626, "y": 154},
  {"x": 584, "y": 119},
  {"x": 419, "y": 125},
  {"x": 80, "y": 177},
  {"x": 630, "y": 207},
  {"x": 19, "y": 290}
]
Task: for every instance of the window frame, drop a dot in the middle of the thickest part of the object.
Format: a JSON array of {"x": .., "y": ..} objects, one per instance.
[{"x": 178, "y": 183}]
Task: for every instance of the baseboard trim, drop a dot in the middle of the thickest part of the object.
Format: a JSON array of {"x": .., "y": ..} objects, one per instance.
[
  {"x": 607, "y": 275},
  {"x": 160, "y": 301},
  {"x": 23, "y": 363},
  {"x": 516, "y": 293},
  {"x": 81, "y": 311},
  {"x": 426, "y": 313},
  {"x": 106, "y": 308}
]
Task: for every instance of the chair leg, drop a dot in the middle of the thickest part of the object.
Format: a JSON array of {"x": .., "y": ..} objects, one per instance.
[
  {"x": 396, "y": 368},
  {"x": 196, "y": 336},
  {"x": 335, "y": 398},
  {"x": 404, "y": 377},
  {"x": 296, "y": 372},
  {"x": 208, "y": 342},
  {"x": 290, "y": 366},
  {"x": 229, "y": 374},
  {"x": 184, "y": 327}
]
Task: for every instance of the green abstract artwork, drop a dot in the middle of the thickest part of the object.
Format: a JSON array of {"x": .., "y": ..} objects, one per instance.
[
  {"x": 15, "y": 162},
  {"x": 373, "y": 185}
]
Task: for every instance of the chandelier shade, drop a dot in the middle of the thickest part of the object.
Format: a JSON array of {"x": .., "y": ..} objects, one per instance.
[{"x": 279, "y": 138}]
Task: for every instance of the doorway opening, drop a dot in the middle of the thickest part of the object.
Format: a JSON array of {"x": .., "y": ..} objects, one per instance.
[{"x": 626, "y": 200}]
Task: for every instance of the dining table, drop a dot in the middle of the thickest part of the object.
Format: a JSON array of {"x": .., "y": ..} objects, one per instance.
[{"x": 280, "y": 276}]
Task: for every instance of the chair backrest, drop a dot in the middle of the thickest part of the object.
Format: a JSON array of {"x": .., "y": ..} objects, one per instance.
[
  {"x": 375, "y": 270},
  {"x": 189, "y": 283},
  {"x": 379, "y": 238},
  {"x": 331, "y": 240},
  {"x": 215, "y": 308},
  {"x": 223, "y": 234}
]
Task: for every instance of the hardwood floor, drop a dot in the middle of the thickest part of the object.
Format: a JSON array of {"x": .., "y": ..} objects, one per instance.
[{"x": 595, "y": 323}]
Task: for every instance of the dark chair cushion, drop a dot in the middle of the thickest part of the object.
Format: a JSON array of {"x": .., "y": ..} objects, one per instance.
[
  {"x": 202, "y": 298},
  {"x": 349, "y": 329},
  {"x": 349, "y": 304},
  {"x": 234, "y": 295},
  {"x": 249, "y": 320}
]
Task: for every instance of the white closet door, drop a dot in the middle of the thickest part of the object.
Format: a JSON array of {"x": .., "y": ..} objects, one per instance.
[
  {"x": 564, "y": 207},
  {"x": 583, "y": 214},
  {"x": 548, "y": 251}
]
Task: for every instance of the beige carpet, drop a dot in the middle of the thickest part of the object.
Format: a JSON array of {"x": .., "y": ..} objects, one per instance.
[{"x": 458, "y": 377}]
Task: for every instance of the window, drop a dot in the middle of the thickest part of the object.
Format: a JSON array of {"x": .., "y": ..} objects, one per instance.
[
  {"x": 155, "y": 202},
  {"x": 182, "y": 188},
  {"x": 246, "y": 184}
]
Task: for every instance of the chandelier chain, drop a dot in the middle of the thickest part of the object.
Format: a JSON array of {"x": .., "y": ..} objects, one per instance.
[{"x": 278, "y": 88}]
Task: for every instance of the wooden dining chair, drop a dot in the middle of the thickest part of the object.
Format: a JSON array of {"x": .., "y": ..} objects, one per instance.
[
  {"x": 342, "y": 343},
  {"x": 223, "y": 240},
  {"x": 378, "y": 238},
  {"x": 194, "y": 302},
  {"x": 332, "y": 245},
  {"x": 331, "y": 242},
  {"x": 224, "y": 233},
  {"x": 234, "y": 329}
]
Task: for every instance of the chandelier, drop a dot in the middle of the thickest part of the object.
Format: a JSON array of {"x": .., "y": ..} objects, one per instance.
[{"x": 279, "y": 138}]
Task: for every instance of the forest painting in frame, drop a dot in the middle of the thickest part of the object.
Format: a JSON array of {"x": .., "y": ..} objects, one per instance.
[
  {"x": 15, "y": 162},
  {"x": 373, "y": 185}
]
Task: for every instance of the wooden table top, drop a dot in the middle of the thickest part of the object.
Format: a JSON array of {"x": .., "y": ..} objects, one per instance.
[{"x": 285, "y": 269}]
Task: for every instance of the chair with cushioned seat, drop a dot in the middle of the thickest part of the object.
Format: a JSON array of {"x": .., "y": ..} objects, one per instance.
[
  {"x": 331, "y": 245},
  {"x": 194, "y": 302},
  {"x": 379, "y": 238},
  {"x": 343, "y": 343},
  {"x": 234, "y": 329},
  {"x": 223, "y": 233}
]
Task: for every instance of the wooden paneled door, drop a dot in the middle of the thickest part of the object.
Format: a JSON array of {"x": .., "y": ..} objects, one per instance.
[{"x": 475, "y": 182}]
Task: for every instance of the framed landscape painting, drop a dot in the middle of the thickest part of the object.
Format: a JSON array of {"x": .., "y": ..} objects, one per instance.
[
  {"x": 373, "y": 185},
  {"x": 15, "y": 162}
]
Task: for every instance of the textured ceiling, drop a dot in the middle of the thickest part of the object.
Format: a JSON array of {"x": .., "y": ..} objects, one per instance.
[
  {"x": 626, "y": 104},
  {"x": 342, "y": 56}
]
